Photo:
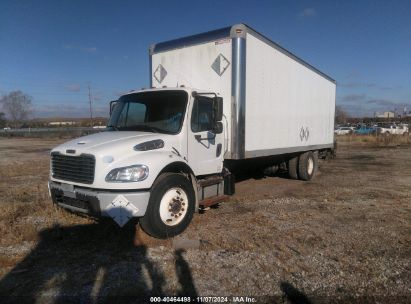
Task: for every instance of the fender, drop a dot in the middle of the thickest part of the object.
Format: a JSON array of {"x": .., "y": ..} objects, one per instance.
[{"x": 184, "y": 168}]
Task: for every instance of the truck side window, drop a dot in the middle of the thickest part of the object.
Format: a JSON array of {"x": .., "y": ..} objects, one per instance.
[{"x": 202, "y": 115}]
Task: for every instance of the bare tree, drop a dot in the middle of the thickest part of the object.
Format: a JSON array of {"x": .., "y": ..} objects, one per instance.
[
  {"x": 340, "y": 115},
  {"x": 17, "y": 106},
  {"x": 2, "y": 120}
]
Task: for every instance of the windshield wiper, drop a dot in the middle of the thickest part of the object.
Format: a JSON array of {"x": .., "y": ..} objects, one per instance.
[
  {"x": 114, "y": 127},
  {"x": 146, "y": 127}
]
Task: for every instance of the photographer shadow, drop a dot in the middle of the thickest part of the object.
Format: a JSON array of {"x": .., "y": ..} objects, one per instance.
[{"x": 89, "y": 263}]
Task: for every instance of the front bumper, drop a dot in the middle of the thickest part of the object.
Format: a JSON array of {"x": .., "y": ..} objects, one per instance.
[{"x": 99, "y": 203}]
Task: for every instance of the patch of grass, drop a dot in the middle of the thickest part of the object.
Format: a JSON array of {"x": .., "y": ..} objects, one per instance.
[
  {"x": 25, "y": 205},
  {"x": 7, "y": 261},
  {"x": 375, "y": 140}
]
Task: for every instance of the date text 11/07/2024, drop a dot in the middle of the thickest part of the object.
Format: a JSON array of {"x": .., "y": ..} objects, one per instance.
[{"x": 233, "y": 299}]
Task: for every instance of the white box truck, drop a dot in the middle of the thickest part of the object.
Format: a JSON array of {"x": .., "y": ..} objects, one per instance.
[{"x": 218, "y": 101}]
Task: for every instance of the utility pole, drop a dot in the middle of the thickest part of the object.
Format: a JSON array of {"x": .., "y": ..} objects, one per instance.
[{"x": 90, "y": 102}]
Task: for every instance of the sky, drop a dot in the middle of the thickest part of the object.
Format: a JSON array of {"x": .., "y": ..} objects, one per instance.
[{"x": 54, "y": 50}]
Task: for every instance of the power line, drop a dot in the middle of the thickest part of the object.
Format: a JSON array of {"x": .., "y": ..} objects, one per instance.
[
  {"x": 89, "y": 99},
  {"x": 26, "y": 84},
  {"x": 61, "y": 86},
  {"x": 76, "y": 94}
]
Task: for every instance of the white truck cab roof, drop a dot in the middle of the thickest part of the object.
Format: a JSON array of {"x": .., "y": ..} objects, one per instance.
[{"x": 180, "y": 88}]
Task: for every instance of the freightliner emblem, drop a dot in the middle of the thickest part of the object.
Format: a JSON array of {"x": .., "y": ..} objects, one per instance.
[
  {"x": 160, "y": 73},
  {"x": 220, "y": 64}
]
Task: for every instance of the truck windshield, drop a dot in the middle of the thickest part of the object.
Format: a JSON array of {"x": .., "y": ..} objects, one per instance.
[{"x": 161, "y": 112}]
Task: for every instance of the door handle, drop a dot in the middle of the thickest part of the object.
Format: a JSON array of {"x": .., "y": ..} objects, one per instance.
[
  {"x": 199, "y": 138},
  {"x": 218, "y": 151}
]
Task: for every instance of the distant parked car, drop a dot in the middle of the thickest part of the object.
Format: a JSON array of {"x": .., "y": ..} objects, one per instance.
[
  {"x": 7, "y": 128},
  {"x": 364, "y": 130},
  {"x": 343, "y": 130},
  {"x": 392, "y": 129}
]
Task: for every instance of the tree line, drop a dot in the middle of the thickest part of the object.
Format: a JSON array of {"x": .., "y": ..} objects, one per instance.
[
  {"x": 16, "y": 111},
  {"x": 16, "y": 108}
]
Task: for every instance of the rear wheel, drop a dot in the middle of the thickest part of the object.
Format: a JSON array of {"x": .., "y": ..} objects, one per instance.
[
  {"x": 293, "y": 167},
  {"x": 307, "y": 165},
  {"x": 170, "y": 208}
]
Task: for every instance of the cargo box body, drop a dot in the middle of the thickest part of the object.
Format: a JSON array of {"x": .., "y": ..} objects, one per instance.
[{"x": 274, "y": 102}]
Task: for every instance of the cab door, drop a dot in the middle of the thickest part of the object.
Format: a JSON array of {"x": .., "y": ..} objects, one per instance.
[{"x": 205, "y": 146}]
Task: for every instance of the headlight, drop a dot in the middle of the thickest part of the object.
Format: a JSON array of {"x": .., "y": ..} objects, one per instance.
[{"x": 127, "y": 174}]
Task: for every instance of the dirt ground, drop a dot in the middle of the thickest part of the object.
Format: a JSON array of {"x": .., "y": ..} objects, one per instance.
[{"x": 343, "y": 237}]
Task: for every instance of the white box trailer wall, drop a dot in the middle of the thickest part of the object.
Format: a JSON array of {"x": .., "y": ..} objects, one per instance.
[
  {"x": 274, "y": 102},
  {"x": 289, "y": 106}
]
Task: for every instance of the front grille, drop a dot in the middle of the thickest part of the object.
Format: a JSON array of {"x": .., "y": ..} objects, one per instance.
[{"x": 78, "y": 169}]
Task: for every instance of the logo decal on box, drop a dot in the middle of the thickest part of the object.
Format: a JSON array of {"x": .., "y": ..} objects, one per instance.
[
  {"x": 160, "y": 73},
  {"x": 304, "y": 133},
  {"x": 220, "y": 64}
]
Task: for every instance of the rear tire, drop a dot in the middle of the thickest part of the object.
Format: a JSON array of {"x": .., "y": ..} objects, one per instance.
[
  {"x": 293, "y": 167},
  {"x": 170, "y": 208},
  {"x": 307, "y": 165}
]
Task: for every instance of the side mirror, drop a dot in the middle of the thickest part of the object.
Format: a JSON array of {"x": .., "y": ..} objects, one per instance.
[
  {"x": 218, "y": 108},
  {"x": 112, "y": 105},
  {"x": 218, "y": 127}
]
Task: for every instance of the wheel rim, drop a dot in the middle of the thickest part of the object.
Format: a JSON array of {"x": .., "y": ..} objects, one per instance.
[
  {"x": 310, "y": 167},
  {"x": 173, "y": 206}
]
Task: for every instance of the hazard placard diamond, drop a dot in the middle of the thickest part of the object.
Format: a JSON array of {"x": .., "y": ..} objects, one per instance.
[{"x": 121, "y": 210}]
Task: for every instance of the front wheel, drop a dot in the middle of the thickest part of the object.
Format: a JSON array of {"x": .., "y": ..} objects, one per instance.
[{"x": 170, "y": 208}]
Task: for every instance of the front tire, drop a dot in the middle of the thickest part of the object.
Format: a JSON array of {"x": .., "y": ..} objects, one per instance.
[
  {"x": 307, "y": 165},
  {"x": 170, "y": 208}
]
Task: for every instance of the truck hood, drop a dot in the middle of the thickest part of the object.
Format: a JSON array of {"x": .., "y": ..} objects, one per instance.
[{"x": 110, "y": 141}]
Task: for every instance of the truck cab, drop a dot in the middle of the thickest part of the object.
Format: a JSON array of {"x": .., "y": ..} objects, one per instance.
[{"x": 161, "y": 155}]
